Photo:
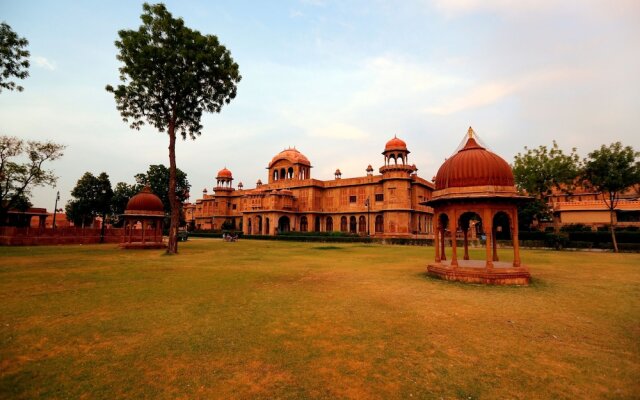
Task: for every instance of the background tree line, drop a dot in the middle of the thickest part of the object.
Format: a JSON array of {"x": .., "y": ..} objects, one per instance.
[
  {"x": 94, "y": 196},
  {"x": 608, "y": 171}
]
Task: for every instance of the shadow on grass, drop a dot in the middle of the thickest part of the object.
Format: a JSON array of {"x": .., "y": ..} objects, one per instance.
[
  {"x": 536, "y": 283},
  {"x": 327, "y": 248}
]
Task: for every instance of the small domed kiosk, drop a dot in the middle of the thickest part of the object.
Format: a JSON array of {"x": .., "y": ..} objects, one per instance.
[
  {"x": 475, "y": 191},
  {"x": 143, "y": 221}
]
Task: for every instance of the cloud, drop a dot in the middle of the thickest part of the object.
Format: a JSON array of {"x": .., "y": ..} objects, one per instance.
[
  {"x": 44, "y": 63},
  {"x": 338, "y": 130},
  {"x": 493, "y": 92}
]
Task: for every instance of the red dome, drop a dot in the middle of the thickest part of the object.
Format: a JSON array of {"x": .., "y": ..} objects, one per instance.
[
  {"x": 292, "y": 155},
  {"x": 224, "y": 173},
  {"x": 474, "y": 165},
  {"x": 395, "y": 144},
  {"x": 145, "y": 202}
]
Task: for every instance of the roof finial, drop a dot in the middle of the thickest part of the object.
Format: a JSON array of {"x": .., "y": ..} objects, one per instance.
[{"x": 471, "y": 133}]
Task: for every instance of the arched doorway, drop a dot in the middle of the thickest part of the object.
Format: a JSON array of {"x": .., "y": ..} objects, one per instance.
[
  {"x": 501, "y": 231},
  {"x": 379, "y": 224},
  {"x": 362, "y": 225},
  {"x": 304, "y": 224},
  {"x": 470, "y": 223},
  {"x": 266, "y": 223},
  {"x": 317, "y": 225},
  {"x": 284, "y": 224},
  {"x": 329, "y": 227},
  {"x": 353, "y": 224},
  {"x": 343, "y": 224}
]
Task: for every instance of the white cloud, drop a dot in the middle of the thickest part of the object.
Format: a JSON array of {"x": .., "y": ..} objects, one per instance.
[
  {"x": 492, "y": 92},
  {"x": 42, "y": 62},
  {"x": 338, "y": 130}
]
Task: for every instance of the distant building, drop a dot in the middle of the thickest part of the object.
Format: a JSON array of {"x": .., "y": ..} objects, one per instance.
[
  {"x": 383, "y": 205},
  {"x": 584, "y": 206}
]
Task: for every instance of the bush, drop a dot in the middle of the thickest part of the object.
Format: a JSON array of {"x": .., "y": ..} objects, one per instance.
[
  {"x": 533, "y": 235},
  {"x": 575, "y": 228},
  {"x": 605, "y": 237}
]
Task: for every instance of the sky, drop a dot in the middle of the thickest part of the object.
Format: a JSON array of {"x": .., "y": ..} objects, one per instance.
[{"x": 337, "y": 80}]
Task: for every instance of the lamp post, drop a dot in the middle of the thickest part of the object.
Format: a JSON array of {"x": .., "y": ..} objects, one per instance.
[
  {"x": 368, "y": 204},
  {"x": 104, "y": 215},
  {"x": 55, "y": 209}
]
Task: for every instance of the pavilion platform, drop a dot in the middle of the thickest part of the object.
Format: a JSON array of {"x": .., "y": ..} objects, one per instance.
[{"x": 476, "y": 271}]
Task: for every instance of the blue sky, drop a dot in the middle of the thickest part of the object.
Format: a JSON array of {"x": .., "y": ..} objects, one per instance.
[{"x": 337, "y": 79}]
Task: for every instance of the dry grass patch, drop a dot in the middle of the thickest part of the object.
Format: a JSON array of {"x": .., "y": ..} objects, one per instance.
[{"x": 258, "y": 319}]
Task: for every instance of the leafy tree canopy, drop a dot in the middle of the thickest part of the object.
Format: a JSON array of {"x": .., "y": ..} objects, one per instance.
[
  {"x": 171, "y": 74},
  {"x": 610, "y": 170},
  {"x": 157, "y": 177},
  {"x": 22, "y": 169},
  {"x": 91, "y": 197},
  {"x": 539, "y": 171},
  {"x": 121, "y": 195},
  {"x": 14, "y": 58}
]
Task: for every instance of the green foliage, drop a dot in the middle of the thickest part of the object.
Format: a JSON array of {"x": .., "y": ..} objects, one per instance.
[
  {"x": 14, "y": 58},
  {"x": 121, "y": 195},
  {"x": 157, "y": 177},
  {"x": 610, "y": 170},
  {"x": 575, "y": 228},
  {"x": 537, "y": 172},
  {"x": 172, "y": 75},
  {"x": 91, "y": 197},
  {"x": 21, "y": 169}
]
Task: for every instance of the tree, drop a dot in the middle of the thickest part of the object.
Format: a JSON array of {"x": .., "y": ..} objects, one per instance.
[
  {"x": 157, "y": 177},
  {"x": 121, "y": 195},
  {"x": 14, "y": 59},
  {"x": 92, "y": 197},
  {"x": 172, "y": 74},
  {"x": 537, "y": 172},
  {"x": 610, "y": 171},
  {"x": 18, "y": 177}
]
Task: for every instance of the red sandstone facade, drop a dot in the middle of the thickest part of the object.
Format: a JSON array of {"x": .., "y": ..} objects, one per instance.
[{"x": 384, "y": 205}]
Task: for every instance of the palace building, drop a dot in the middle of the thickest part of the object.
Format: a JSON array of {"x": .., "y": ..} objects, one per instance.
[{"x": 387, "y": 204}]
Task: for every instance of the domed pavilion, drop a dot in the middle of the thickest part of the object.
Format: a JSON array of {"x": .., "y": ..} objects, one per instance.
[
  {"x": 143, "y": 221},
  {"x": 475, "y": 191}
]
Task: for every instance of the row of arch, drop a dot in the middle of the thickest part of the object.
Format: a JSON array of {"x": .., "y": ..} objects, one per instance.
[
  {"x": 490, "y": 225},
  {"x": 397, "y": 158},
  {"x": 290, "y": 173},
  {"x": 352, "y": 224}
]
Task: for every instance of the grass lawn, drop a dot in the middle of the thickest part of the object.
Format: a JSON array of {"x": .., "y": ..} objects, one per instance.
[{"x": 262, "y": 319}]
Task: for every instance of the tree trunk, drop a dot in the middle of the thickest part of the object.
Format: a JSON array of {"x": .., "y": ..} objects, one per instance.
[
  {"x": 173, "y": 200},
  {"x": 613, "y": 231}
]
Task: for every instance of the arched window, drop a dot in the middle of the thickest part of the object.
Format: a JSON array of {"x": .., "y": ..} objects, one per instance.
[
  {"x": 379, "y": 224},
  {"x": 353, "y": 225},
  {"x": 329, "y": 227},
  {"x": 275, "y": 174},
  {"x": 304, "y": 225},
  {"x": 290, "y": 173},
  {"x": 362, "y": 224},
  {"x": 343, "y": 224}
]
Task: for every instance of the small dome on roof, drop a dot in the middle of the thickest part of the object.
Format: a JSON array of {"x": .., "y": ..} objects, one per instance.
[
  {"x": 145, "y": 202},
  {"x": 473, "y": 165},
  {"x": 395, "y": 144},
  {"x": 369, "y": 168},
  {"x": 292, "y": 155},
  {"x": 224, "y": 173},
  {"x": 338, "y": 171}
]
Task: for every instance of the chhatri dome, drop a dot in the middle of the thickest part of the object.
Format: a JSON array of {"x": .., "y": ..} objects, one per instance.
[
  {"x": 224, "y": 173},
  {"x": 292, "y": 155},
  {"x": 474, "y": 165},
  {"x": 145, "y": 203},
  {"x": 395, "y": 144}
]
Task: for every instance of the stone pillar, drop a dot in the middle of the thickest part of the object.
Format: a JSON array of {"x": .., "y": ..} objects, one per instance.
[
  {"x": 516, "y": 240},
  {"x": 466, "y": 243},
  {"x": 454, "y": 239},
  {"x": 488, "y": 229},
  {"x": 443, "y": 255},
  {"x": 495, "y": 244},
  {"x": 437, "y": 243}
]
